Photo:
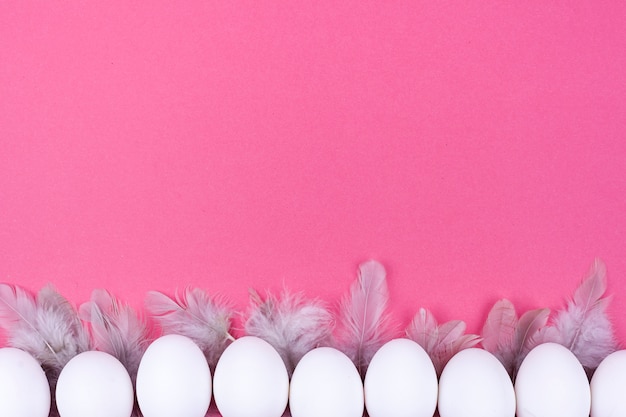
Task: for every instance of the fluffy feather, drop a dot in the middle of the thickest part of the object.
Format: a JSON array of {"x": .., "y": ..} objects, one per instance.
[
  {"x": 364, "y": 319},
  {"x": 291, "y": 324},
  {"x": 509, "y": 338},
  {"x": 441, "y": 342},
  {"x": 47, "y": 327},
  {"x": 194, "y": 314},
  {"x": 583, "y": 326},
  {"x": 116, "y": 329}
]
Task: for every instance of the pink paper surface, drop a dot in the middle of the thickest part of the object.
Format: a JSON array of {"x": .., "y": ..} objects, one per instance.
[{"x": 477, "y": 149}]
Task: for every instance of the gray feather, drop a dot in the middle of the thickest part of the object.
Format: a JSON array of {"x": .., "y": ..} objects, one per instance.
[
  {"x": 291, "y": 324},
  {"x": 194, "y": 314}
]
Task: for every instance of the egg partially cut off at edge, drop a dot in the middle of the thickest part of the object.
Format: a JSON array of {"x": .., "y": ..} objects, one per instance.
[
  {"x": 551, "y": 382},
  {"x": 173, "y": 379},
  {"x": 94, "y": 384},
  {"x": 24, "y": 389},
  {"x": 608, "y": 387},
  {"x": 401, "y": 381},
  {"x": 251, "y": 380},
  {"x": 474, "y": 383},
  {"x": 326, "y": 383}
]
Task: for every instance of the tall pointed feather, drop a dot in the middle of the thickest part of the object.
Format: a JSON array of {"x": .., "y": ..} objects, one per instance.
[
  {"x": 441, "y": 342},
  {"x": 584, "y": 327},
  {"x": 291, "y": 324},
  {"x": 196, "y": 315},
  {"x": 364, "y": 317}
]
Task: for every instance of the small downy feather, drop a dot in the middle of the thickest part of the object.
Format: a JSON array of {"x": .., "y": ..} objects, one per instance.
[
  {"x": 364, "y": 321},
  {"x": 441, "y": 342},
  {"x": 509, "y": 338},
  {"x": 47, "y": 327},
  {"x": 583, "y": 326},
  {"x": 194, "y": 314},
  {"x": 291, "y": 324},
  {"x": 116, "y": 329}
]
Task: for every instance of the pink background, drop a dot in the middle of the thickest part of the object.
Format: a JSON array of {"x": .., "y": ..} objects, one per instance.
[{"x": 477, "y": 149}]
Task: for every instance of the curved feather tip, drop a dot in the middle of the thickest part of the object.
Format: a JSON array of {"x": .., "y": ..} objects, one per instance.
[
  {"x": 116, "y": 329},
  {"x": 509, "y": 338},
  {"x": 441, "y": 342},
  {"x": 364, "y": 319},
  {"x": 205, "y": 320},
  {"x": 583, "y": 326}
]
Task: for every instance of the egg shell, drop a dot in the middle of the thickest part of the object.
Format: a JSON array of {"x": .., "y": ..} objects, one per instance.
[
  {"x": 173, "y": 379},
  {"x": 608, "y": 387},
  {"x": 401, "y": 381},
  {"x": 251, "y": 380},
  {"x": 326, "y": 383},
  {"x": 24, "y": 389},
  {"x": 551, "y": 382},
  {"x": 94, "y": 384},
  {"x": 475, "y": 384}
]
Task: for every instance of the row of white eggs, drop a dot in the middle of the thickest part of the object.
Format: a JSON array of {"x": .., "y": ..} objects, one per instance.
[{"x": 250, "y": 380}]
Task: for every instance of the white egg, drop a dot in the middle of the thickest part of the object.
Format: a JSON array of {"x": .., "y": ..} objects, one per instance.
[
  {"x": 94, "y": 384},
  {"x": 174, "y": 379},
  {"x": 326, "y": 383},
  {"x": 551, "y": 382},
  {"x": 401, "y": 381},
  {"x": 24, "y": 389},
  {"x": 475, "y": 384},
  {"x": 608, "y": 387},
  {"x": 251, "y": 380}
]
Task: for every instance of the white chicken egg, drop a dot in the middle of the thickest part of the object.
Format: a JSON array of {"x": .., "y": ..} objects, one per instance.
[
  {"x": 475, "y": 384},
  {"x": 94, "y": 384},
  {"x": 608, "y": 387},
  {"x": 24, "y": 389},
  {"x": 401, "y": 381},
  {"x": 551, "y": 382},
  {"x": 251, "y": 380},
  {"x": 173, "y": 379},
  {"x": 326, "y": 383}
]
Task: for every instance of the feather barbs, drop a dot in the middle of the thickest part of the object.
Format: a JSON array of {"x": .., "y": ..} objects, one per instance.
[
  {"x": 193, "y": 313},
  {"x": 583, "y": 326},
  {"x": 510, "y": 338},
  {"x": 364, "y": 316},
  {"x": 441, "y": 342},
  {"x": 291, "y": 324}
]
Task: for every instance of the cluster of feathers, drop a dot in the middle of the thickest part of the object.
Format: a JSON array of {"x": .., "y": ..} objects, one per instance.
[{"x": 53, "y": 331}]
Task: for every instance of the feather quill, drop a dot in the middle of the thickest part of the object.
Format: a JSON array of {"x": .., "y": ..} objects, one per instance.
[
  {"x": 194, "y": 314},
  {"x": 291, "y": 324},
  {"x": 509, "y": 338},
  {"x": 46, "y": 326},
  {"x": 364, "y": 318},
  {"x": 583, "y": 326},
  {"x": 441, "y": 342}
]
